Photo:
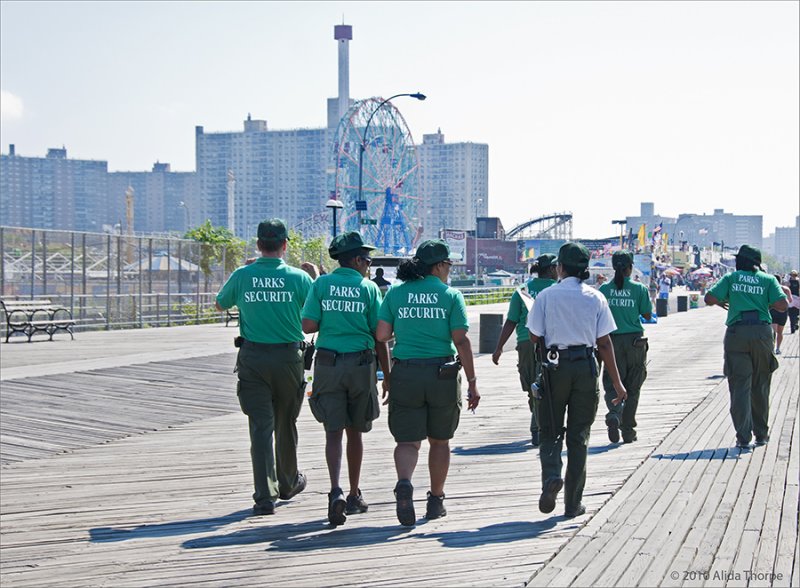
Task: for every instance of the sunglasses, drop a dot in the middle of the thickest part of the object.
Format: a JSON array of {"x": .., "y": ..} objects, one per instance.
[
  {"x": 447, "y": 261},
  {"x": 365, "y": 258}
]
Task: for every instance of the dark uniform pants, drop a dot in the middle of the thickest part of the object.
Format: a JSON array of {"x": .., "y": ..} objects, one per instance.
[
  {"x": 632, "y": 366},
  {"x": 271, "y": 390},
  {"x": 528, "y": 365},
  {"x": 574, "y": 392},
  {"x": 749, "y": 363}
]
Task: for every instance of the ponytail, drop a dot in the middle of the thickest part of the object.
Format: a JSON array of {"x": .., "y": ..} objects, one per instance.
[
  {"x": 539, "y": 270},
  {"x": 620, "y": 268},
  {"x": 412, "y": 269}
]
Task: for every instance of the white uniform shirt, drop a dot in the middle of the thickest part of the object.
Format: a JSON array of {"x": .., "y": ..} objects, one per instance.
[{"x": 570, "y": 313}]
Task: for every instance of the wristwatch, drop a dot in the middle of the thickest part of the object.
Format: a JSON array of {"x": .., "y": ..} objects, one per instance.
[{"x": 472, "y": 379}]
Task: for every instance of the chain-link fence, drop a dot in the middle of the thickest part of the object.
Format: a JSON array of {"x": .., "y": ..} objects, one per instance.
[{"x": 113, "y": 281}]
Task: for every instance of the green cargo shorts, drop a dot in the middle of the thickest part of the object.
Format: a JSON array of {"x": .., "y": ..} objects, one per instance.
[
  {"x": 345, "y": 395},
  {"x": 421, "y": 405}
]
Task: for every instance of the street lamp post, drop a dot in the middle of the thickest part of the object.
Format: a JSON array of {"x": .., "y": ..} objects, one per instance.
[
  {"x": 621, "y": 223},
  {"x": 334, "y": 205},
  {"x": 363, "y": 147},
  {"x": 185, "y": 208},
  {"x": 477, "y": 203}
]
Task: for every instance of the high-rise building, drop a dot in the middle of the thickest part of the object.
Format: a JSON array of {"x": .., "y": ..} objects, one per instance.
[
  {"x": 453, "y": 183},
  {"x": 787, "y": 244},
  {"x": 53, "y": 192}
]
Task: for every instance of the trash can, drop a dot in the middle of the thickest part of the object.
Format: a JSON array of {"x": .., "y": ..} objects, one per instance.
[
  {"x": 490, "y": 327},
  {"x": 694, "y": 300},
  {"x": 683, "y": 303},
  {"x": 662, "y": 306}
]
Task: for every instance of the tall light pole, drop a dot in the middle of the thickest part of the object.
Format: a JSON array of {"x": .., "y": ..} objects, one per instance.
[
  {"x": 185, "y": 208},
  {"x": 621, "y": 223},
  {"x": 334, "y": 205},
  {"x": 477, "y": 203},
  {"x": 363, "y": 147}
]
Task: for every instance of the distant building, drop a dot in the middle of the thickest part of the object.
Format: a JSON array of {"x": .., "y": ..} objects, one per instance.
[
  {"x": 787, "y": 244},
  {"x": 650, "y": 219},
  {"x": 453, "y": 183},
  {"x": 53, "y": 192}
]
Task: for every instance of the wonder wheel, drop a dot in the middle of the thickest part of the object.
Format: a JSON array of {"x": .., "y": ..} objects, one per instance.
[{"x": 386, "y": 212}]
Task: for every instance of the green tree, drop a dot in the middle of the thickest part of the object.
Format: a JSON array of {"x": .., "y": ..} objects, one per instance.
[
  {"x": 313, "y": 250},
  {"x": 218, "y": 245}
]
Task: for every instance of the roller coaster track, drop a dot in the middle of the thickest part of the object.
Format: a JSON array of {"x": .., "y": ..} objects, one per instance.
[{"x": 557, "y": 225}]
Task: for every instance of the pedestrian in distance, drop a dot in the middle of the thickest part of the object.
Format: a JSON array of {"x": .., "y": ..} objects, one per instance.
[
  {"x": 269, "y": 366},
  {"x": 794, "y": 307},
  {"x": 627, "y": 300},
  {"x": 779, "y": 318},
  {"x": 528, "y": 364},
  {"x": 569, "y": 320},
  {"x": 429, "y": 322},
  {"x": 747, "y": 294},
  {"x": 343, "y": 307},
  {"x": 381, "y": 282}
]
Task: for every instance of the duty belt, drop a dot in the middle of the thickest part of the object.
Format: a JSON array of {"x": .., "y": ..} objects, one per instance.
[
  {"x": 424, "y": 361},
  {"x": 268, "y": 346},
  {"x": 575, "y": 353},
  {"x": 748, "y": 322},
  {"x": 369, "y": 353}
]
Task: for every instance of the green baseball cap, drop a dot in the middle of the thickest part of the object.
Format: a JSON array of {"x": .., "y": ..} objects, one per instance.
[
  {"x": 574, "y": 255},
  {"x": 433, "y": 251},
  {"x": 273, "y": 229},
  {"x": 350, "y": 241},
  {"x": 546, "y": 260},
  {"x": 622, "y": 259},
  {"x": 749, "y": 253}
]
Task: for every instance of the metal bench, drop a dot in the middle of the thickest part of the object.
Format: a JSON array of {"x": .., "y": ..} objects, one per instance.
[{"x": 36, "y": 316}]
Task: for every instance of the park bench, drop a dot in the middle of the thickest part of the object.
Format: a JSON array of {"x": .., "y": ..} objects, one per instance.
[
  {"x": 231, "y": 314},
  {"x": 33, "y": 316}
]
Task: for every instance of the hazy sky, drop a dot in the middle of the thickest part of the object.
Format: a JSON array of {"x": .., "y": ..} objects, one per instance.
[{"x": 590, "y": 107}]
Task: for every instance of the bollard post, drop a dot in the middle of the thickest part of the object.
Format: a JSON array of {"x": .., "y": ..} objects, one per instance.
[{"x": 490, "y": 327}]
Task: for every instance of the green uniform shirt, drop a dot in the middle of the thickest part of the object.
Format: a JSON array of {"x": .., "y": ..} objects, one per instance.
[
  {"x": 747, "y": 291},
  {"x": 518, "y": 312},
  {"x": 422, "y": 313},
  {"x": 345, "y": 304},
  {"x": 627, "y": 304},
  {"x": 270, "y": 296}
]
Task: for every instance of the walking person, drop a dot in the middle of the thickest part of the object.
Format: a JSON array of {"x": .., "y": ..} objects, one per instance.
[
  {"x": 779, "y": 318},
  {"x": 429, "y": 323},
  {"x": 343, "y": 307},
  {"x": 270, "y": 295},
  {"x": 747, "y": 294},
  {"x": 794, "y": 307},
  {"x": 528, "y": 364},
  {"x": 627, "y": 300},
  {"x": 570, "y": 320}
]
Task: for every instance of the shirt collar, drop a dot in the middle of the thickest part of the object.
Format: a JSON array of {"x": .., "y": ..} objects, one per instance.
[
  {"x": 271, "y": 261},
  {"x": 348, "y": 271},
  {"x": 571, "y": 281}
]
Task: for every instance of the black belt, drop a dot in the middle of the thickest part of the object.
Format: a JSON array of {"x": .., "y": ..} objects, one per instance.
[
  {"x": 268, "y": 346},
  {"x": 748, "y": 322},
  {"x": 575, "y": 353},
  {"x": 424, "y": 361},
  {"x": 348, "y": 354}
]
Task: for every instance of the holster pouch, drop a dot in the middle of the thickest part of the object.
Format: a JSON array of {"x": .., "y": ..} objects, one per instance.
[
  {"x": 237, "y": 341},
  {"x": 640, "y": 342},
  {"x": 326, "y": 357},
  {"x": 308, "y": 356},
  {"x": 449, "y": 370}
]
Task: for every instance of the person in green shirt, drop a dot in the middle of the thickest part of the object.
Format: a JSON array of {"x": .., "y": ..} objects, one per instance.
[
  {"x": 747, "y": 294},
  {"x": 270, "y": 296},
  {"x": 528, "y": 364},
  {"x": 627, "y": 300},
  {"x": 343, "y": 307},
  {"x": 429, "y": 322}
]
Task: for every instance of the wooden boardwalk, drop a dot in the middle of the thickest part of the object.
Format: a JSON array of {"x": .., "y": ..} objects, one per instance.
[{"x": 129, "y": 466}]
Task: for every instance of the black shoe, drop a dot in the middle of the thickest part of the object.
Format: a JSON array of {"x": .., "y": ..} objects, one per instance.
[
  {"x": 299, "y": 486},
  {"x": 743, "y": 445},
  {"x": 612, "y": 423},
  {"x": 356, "y": 504},
  {"x": 535, "y": 438},
  {"x": 571, "y": 513},
  {"x": 550, "y": 490},
  {"x": 336, "y": 506},
  {"x": 265, "y": 508},
  {"x": 436, "y": 507},
  {"x": 629, "y": 438},
  {"x": 404, "y": 494},
  {"x": 761, "y": 441}
]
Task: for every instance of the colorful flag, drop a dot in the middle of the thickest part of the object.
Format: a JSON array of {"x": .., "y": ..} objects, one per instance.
[{"x": 641, "y": 236}]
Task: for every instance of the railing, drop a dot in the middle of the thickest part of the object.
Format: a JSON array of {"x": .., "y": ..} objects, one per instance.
[{"x": 487, "y": 294}]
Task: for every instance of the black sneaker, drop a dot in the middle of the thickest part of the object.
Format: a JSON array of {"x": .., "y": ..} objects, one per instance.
[
  {"x": 550, "y": 490},
  {"x": 336, "y": 507},
  {"x": 535, "y": 438},
  {"x": 265, "y": 508},
  {"x": 356, "y": 504},
  {"x": 299, "y": 486},
  {"x": 612, "y": 423},
  {"x": 436, "y": 507},
  {"x": 404, "y": 494},
  {"x": 743, "y": 445},
  {"x": 761, "y": 441},
  {"x": 571, "y": 513},
  {"x": 629, "y": 438}
]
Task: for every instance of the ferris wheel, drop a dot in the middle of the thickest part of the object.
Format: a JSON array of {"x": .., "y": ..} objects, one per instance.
[{"x": 386, "y": 215}]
